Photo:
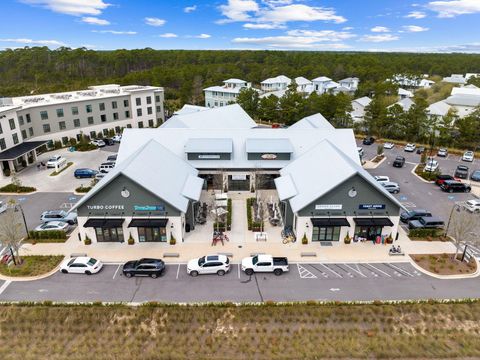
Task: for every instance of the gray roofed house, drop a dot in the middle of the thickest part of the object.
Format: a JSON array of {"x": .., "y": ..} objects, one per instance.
[
  {"x": 440, "y": 108},
  {"x": 463, "y": 100},
  {"x": 406, "y": 104},
  {"x": 144, "y": 166}
]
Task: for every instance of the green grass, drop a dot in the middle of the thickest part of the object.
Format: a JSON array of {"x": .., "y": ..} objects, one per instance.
[
  {"x": 43, "y": 241},
  {"x": 32, "y": 266},
  {"x": 55, "y": 173},
  {"x": 298, "y": 331},
  {"x": 12, "y": 188}
]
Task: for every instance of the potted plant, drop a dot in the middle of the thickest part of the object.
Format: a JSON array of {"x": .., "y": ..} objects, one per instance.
[
  {"x": 130, "y": 240},
  {"x": 389, "y": 239},
  {"x": 173, "y": 241},
  {"x": 347, "y": 239},
  {"x": 304, "y": 239},
  {"x": 87, "y": 241}
]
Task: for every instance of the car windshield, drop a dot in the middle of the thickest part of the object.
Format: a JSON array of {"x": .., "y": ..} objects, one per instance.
[
  {"x": 201, "y": 261},
  {"x": 92, "y": 261}
]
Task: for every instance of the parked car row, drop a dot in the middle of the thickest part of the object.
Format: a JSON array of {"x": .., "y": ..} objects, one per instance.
[
  {"x": 421, "y": 219},
  {"x": 106, "y": 141},
  {"x": 390, "y": 186},
  {"x": 209, "y": 264}
]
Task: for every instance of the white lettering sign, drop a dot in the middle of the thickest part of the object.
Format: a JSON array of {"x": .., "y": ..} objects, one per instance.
[
  {"x": 105, "y": 207},
  {"x": 328, "y": 207},
  {"x": 269, "y": 156},
  {"x": 209, "y": 156},
  {"x": 239, "y": 177}
]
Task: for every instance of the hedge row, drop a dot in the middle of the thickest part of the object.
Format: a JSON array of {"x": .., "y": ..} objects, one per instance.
[
  {"x": 48, "y": 234},
  {"x": 229, "y": 214},
  {"x": 249, "y": 212},
  {"x": 424, "y": 233},
  {"x": 12, "y": 188}
]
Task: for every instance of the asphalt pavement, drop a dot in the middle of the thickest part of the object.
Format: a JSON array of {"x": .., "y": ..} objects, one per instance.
[{"x": 315, "y": 281}]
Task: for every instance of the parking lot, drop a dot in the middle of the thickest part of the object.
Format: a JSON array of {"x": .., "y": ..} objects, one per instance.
[
  {"x": 65, "y": 181},
  {"x": 315, "y": 281},
  {"x": 415, "y": 193}
]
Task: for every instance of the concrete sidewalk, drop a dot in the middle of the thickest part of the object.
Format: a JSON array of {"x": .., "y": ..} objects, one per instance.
[{"x": 354, "y": 252}]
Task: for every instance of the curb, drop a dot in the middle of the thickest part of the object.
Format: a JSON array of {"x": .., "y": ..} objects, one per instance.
[
  {"x": 419, "y": 177},
  {"x": 18, "y": 194},
  {"x": 446, "y": 277},
  {"x": 29, "y": 278}
]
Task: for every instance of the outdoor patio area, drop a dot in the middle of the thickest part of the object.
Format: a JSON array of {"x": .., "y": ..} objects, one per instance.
[{"x": 216, "y": 203}]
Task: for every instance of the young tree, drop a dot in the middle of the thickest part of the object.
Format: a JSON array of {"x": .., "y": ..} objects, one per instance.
[
  {"x": 268, "y": 109},
  {"x": 395, "y": 122},
  {"x": 291, "y": 105},
  {"x": 11, "y": 230},
  {"x": 375, "y": 118},
  {"x": 417, "y": 126},
  {"x": 445, "y": 127},
  {"x": 462, "y": 227},
  {"x": 248, "y": 99}
]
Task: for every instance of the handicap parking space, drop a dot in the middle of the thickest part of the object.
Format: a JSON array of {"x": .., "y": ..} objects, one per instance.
[{"x": 336, "y": 271}]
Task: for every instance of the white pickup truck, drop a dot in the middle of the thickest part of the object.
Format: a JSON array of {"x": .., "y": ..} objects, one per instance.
[{"x": 265, "y": 263}]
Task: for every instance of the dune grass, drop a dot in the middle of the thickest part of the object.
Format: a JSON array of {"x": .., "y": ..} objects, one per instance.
[
  {"x": 32, "y": 266},
  {"x": 299, "y": 331}
]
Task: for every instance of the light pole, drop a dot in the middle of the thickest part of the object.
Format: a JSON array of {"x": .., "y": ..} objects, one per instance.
[{"x": 454, "y": 207}]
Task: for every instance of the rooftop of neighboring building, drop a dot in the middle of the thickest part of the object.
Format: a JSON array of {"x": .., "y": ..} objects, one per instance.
[{"x": 280, "y": 79}]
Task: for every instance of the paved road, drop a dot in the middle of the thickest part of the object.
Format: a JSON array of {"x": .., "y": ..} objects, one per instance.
[{"x": 316, "y": 281}]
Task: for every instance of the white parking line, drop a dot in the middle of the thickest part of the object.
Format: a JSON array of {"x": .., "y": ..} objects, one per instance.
[
  {"x": 326, "y": 267},
  {"x": 381, "y": 271},
  {"x": 304, "y": 273},
  {"x": 400, "y": 269},
  {"x": 357, "y": 271},
  {"x": 178, "y": 270},
  {"x": 118, "y": 268},
  {"x": 5, "y": 285}
]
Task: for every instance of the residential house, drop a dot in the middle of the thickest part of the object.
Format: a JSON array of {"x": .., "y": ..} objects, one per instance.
[
  {"x": 217, "y": 96},
  {"x": 359, "y": 106}
]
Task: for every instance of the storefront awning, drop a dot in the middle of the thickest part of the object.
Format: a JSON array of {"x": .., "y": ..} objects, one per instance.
[
  {"x": 330, "y": 222},
  {"x": 21, "y": 149},
  {"x": 373, "y": 222},
  {"x": 148, "y": 223},
  {"x": 104, "y": 223}
]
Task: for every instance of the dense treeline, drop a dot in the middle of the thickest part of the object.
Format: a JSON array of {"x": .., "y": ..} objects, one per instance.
[{"x": 185, "y": 73}]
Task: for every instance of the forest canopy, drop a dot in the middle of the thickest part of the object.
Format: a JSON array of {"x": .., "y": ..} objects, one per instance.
[{"x": 184, "y": 73}]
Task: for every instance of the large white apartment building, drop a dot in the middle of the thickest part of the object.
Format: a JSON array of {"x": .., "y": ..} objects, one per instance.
[
  {"x": 217, "y": 96},
  {"x": 29, "y": 122}
]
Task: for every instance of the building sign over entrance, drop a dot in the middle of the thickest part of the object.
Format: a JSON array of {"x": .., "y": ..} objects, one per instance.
[
  {"x": 328, "y": 207},
  {"x": 209, "y": 157},
  {"x": 239, "y": 177},
  {"x": 105, "y": 207},
  {"x": 269, "y": 156},
  {"x": 371, "y": 206},
  {"x": 149, "y": 208}
]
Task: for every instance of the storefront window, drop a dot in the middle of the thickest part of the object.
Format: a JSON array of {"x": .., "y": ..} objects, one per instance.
[
  {"x": 109, "y": 234},
  {"x": 152, "y": 234},
  {"x": 330, "y": 233},
  {"x": 368, "y": 232}
]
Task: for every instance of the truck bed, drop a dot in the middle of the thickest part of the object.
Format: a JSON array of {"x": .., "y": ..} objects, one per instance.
[{"x": 280, "y": 261}]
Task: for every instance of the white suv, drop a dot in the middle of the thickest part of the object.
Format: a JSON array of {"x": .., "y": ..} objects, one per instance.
[
  {"x": 472, "y": 205},
  {"x": 55, "y": 160},
  {"x": 210, "y": 264},
  {"x": 468, "y": 156}
]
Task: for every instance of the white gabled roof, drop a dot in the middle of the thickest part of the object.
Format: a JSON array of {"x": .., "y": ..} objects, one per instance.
[
  {"x": 466, "y": 90},
  {"x": 235, "y": 81},
  {"x": 225, "y": 117},
  {"x": 463, "y": 100},
  {"x": 310, "y": 182},
  {"x": 406, "y": 104},
  {"x": 364, "y": 101},
  {"x": 268, "y": 145},
  {"x": 403, "y": 92},
  {"x": 302, "y": 81},
  {"x": 278, "y": 93},
  {"x": 188, "y": 109},
  {"x": 316, "y": 121},
  {"x": 146, "y": 166},
  {"x": 350, "y": 79},
  {"x": 322, "y": 79},
  {"x": 280, "y": 79},
  {"x": 440, "y": 108},
  {"x": 209, "y": 145}
]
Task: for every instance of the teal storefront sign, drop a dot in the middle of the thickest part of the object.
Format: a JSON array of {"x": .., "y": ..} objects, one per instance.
[{"x": 149, "y": 208}]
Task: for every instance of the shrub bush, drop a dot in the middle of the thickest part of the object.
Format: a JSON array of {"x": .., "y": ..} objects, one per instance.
[
  {"x": 83, "y": 189},
  {"x": 12, "y": 188},
  {"x": 57, "y": 145},
  {"x": 86, "y": 147},
  {"x": 229, "y": 214},
  {"x": 50, "y": 234},
  {"x": 249, "y": 212},
  {"x": 424, "y": 233},
  {"x": 87, "y": 241}
]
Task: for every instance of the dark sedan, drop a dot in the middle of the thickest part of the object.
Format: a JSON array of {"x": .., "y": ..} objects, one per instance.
[
  {"x": 144, "y": 267},
  {"x": 368, "y": 140},
  {"x": 399, "y": 161},
  {"x": 475, "y": 175}
]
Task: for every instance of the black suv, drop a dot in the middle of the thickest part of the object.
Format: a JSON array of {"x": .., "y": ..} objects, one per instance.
[
  {"x": 368, "y": 140},
  {"x": 399, "y": 161},
  {"x": 455, "y": 186},
  {"x": 461, "y": 172},
  {"x": 144, "y": 267},
  {"x": 407, "y": 216}
]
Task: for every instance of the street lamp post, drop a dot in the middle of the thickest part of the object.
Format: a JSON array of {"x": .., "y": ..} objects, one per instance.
[
  {"x": 24, "y": 220},
  {"x": 454, "y": 207}
]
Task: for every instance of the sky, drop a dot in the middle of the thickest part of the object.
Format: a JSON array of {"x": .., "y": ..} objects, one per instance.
[{"x": 315, "y": 25}]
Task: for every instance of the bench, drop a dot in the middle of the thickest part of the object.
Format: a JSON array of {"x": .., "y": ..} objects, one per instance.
[
  {"x": 308, "y": 254},
  {"x": 396, "y": 254},
  {"x": 171, "y": 255},
  {"x": 78, "y": 255},
  {"x": 226, "y": 254}
]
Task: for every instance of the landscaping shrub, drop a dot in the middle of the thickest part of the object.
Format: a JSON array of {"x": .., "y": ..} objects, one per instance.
[
  {"x": 85, "y": 147},
  {"x": 83, "y": 189},
  {"x": 57, "y": 145},
  {"x": 424, "y": 233},
  {"x": 50, "y": 234},
  {"x": 12, "y": 188},
  {"x": 249, "y": 212},
  {"x": 229, "y": 214}
]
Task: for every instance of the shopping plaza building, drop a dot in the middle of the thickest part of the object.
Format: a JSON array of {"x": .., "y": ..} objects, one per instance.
[
  {"x": 314, "y": 171},
  {"x": 28, "y": 123}
]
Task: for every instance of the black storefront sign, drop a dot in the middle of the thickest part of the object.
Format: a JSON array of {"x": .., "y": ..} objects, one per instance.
[{"x": 371, "y": 206}]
